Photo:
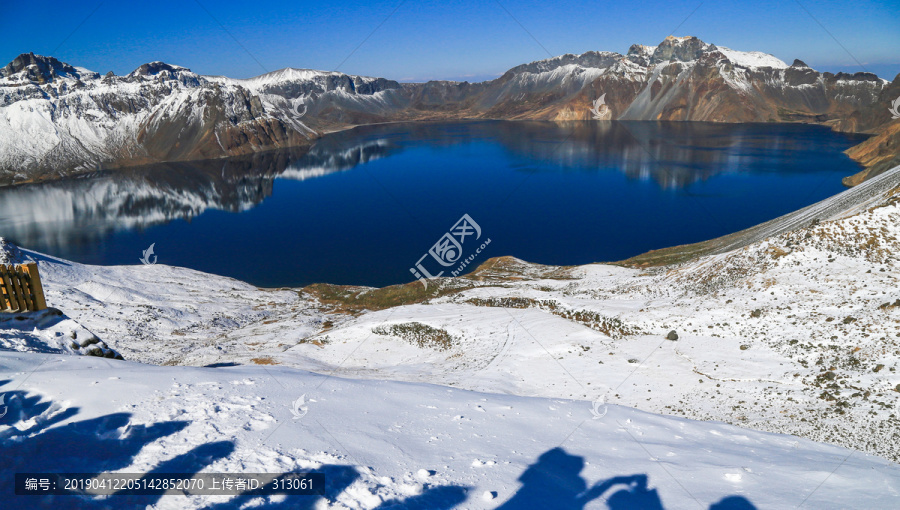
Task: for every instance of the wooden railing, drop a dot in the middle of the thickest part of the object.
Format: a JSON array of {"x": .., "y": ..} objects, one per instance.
[{"x": 20, "y": 288}]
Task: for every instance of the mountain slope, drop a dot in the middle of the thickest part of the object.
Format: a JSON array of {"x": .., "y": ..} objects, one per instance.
[{"x": 854, "y": 201}]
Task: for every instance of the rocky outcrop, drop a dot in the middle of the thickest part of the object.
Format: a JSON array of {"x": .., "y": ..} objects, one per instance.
[
  {"x": 56, "y": 119},
  {"x": 878, "y": 154},
  {"x": 41, "y": 70},
  {"x": 881, "y": 152},
  {"x": 10, "y": 253}
]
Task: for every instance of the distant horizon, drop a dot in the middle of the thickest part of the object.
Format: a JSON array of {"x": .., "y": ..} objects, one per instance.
[{"x": 426, "y": 40}]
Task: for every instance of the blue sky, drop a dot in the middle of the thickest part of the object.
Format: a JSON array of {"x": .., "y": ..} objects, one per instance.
[{"x": 423, "y": 39}]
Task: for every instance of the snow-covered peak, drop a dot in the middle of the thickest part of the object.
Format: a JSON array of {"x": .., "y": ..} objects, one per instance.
[
  {"x": 42, "y": 69},
  {"x": 641, "y": 50},
  {"x": 156, "y": 68},
  {"x": 587, "y": 60},
  {"x": 288, "y": 75},
  {"x": 753, "y": 59},
  {"x": 291, "y": 82},
  {"x": 673, "y": 39},
  {"x": 672, "y": 49},
  {"x": 292, "y": 74},
  {"x": 678, "y": 49}
]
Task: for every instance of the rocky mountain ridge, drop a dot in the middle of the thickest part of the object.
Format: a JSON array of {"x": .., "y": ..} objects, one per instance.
[{"x": 57, "y": 119}]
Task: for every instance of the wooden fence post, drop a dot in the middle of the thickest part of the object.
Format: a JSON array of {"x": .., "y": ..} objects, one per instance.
[
  {"x": 34, "y": 282},
  {"x": 20, "y": 288},
  {"x": 6, "y": 297}
]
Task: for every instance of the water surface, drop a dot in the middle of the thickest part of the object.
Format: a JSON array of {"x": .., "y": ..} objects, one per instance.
[{"x": 363, "y": 206}]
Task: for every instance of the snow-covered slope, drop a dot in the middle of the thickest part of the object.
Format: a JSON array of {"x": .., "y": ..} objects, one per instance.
[
  {"x": 45, "y": 331},
  {"x": 752, "y": 59},
  {"x": 842, "y": 205},
  {"x": 399, "y": 445},
  {"x": 798, "y": 332},
  {"x": 526, "y": 386}
]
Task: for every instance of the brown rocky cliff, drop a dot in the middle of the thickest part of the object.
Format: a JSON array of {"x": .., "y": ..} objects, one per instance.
[{"x": 877, "y": 154}]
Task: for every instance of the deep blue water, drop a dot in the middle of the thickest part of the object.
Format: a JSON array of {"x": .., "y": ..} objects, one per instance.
[{"x": 364, "y": 205}]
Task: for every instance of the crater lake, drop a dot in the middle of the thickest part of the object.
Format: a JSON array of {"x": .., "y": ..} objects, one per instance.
[{"x": 363, "y": 206}]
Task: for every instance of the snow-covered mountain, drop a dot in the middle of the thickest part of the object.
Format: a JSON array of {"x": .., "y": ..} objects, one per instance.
[{"x": 57, "y": 119}]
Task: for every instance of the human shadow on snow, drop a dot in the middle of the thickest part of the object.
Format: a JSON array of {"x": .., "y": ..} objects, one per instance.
[
  {"x": 554, "y": 481},
  {"x": 33, "y": 441}
]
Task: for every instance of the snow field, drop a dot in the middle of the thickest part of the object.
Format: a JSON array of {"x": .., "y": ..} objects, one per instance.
[{"x": 438, "y": 446}]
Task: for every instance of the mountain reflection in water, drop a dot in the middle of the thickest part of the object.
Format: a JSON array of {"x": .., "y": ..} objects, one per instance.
[{"x": 103, "y": 217}]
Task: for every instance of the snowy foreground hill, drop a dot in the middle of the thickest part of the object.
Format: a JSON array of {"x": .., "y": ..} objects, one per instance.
[
  {"x": 401, "y": 445},
  {"x": 520, "y": 385}
]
